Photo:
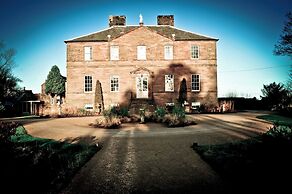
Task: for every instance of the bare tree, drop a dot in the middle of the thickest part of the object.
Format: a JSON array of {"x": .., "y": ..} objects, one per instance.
[
  {"x": 8, "y": 82},
  {"x": 284, "y": 46}
]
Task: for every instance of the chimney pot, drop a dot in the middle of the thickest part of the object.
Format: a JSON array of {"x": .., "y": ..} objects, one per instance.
[
  {"x": 165, "y": 20},
  {"x": 117, "y": 20}
]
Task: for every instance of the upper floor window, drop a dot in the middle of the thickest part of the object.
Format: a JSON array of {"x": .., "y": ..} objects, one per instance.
[
  {"x": 195, "y": 82},
  {"x": 88, "y": 83},
  {"x": 114, "y": 83},
  {"x": 114, "y": 52},
  {"x": 168, "y": 52},
  {"x": 87, "y": 53},
  {"x": 169, "y": 83},
  {"x": 195, "y": 52},
  {"x": 141, "y": 52}
]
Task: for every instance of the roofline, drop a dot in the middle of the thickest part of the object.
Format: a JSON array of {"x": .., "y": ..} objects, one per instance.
[
  {"x": 72, "y": 39},
  {"x": 69, "y": 40},
  {"x": 194, "y": 33}
]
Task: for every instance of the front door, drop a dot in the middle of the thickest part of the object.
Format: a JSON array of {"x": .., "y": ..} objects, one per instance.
[{"x": 142, "y": 86}]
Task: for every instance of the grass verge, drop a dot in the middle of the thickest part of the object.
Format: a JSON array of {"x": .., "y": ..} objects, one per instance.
[
  {"x": 261, "y": 163},
  {"x": 277, "y": 119},
  {"x": 36, "y": 165}
]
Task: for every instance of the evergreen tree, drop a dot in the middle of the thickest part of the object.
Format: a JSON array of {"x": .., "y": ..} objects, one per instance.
[{"x": 55, "y": 82}]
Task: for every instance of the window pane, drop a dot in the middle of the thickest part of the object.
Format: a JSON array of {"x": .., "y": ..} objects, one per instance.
[
  {"x": 114, "y": 84},
  {"x": 87, "y": 53},
  {"x": 87, "y": 83},
  {"x": 195, "y": 51},
  {"x": 141, "y": 52},
  {"x": 196, "y": 82},
  {"x": 169, "y": 83},
  {"x": 114, "y": 52},
  {"x": 168, "y": 52}
]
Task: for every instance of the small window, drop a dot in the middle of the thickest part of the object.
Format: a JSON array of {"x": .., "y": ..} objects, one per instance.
[
  {"x": 196, "y": 82},
  {"x": 114, "y": 83},
  {"x": 114, "y": 52},
  {"x": 168, "y": 52},
  {"x": 141, "y": 52},
  {"x": 87, "y": 53},
  {"x": 169, "y": 83},
  {"x": 195, "y": 52},
  {"x": 88, "y": 107},
  {"x": 88, "y": 83}
]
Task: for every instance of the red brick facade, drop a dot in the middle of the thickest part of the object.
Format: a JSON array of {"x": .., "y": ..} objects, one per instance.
[{"x": 127, "y": 68}]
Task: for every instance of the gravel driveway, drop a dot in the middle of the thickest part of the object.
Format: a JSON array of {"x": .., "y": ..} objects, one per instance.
[{"x": 150, "y": 158}]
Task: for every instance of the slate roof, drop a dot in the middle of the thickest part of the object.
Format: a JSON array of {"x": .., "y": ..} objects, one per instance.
[{"x": 117, "y": 31}]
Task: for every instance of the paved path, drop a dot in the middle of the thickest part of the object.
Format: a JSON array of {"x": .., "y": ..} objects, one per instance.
[{"x": 151, "y": 158}]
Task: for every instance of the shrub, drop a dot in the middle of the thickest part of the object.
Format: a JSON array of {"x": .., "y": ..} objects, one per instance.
[
  {"x": 107, "y": 122},
  {"x": 159, "y": 112},
  {"x": 123, "y": 112},
  {"x": 179, "y": 112},
  {"x": 7, "y": 129},
  {"x": 280, "y": 132}
]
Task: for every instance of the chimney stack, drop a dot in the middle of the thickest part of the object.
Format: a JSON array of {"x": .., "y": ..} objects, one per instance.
[
  {"x": 165, "y": 20},
  {"x": 117, "y": 20}
]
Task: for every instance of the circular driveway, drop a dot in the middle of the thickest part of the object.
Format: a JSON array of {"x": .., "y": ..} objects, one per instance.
[
  {"x": 233, "y": 126},
  {"x": 151, "y": 158}
]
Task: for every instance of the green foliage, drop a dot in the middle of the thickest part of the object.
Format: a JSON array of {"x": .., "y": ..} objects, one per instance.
[
  {"x": 55, "y": 82},
  {"x": 179, "y": 112},
  {"x": 7, "y": 129},
  {"x": 284, "y": 46},
  {"x": 280, "y": 132},
  {"x": 116, "y": 112},
  {"x": 275, "y": 95},
  {"x": 277, "y": 119},
  {"x": 160, "y": 112},
  {"x": 124, "y": 112},
  {"x": 39, "y": 165}
]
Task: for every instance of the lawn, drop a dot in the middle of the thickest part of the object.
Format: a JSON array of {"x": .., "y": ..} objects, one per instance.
[
  {"x": 259, "y": 164},
  {"x": 35, "y": 165},
  {"x": 277, "y": 119}
]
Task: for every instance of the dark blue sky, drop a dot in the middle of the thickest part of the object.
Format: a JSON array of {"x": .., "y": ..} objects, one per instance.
[{"x": 247, "y": 31}]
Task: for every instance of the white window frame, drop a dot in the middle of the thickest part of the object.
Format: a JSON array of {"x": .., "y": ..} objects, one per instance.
[
  {"x": 167, "y": 78},
  {"x": 195, "y": 51},
  {"x": 87, "y": 53},
  {"x": 195, "y": 81},
  {"x": 168, "y": 52},
  {"x": 114, "y": 83},
  {"x": 114, "y": 53},
  {"x": 87, "y": 84},
  {"x": 88, "y": 107},
  {"x": 141, "y": 52}
]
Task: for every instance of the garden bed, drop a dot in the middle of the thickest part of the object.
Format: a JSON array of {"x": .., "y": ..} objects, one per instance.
[{"x": 113, "y": 118}]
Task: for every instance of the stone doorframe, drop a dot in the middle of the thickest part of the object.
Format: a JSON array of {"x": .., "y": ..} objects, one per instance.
[{"x": 141, "y": 72}]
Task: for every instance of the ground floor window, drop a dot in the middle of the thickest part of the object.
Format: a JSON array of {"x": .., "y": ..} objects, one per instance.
[
  {"x": 169, "y": 83},
  {"x": 88, "y": 83},
  {"x": 88, "y": 107},
  {"x": 114, "y": 83},
  {"x": 195, "y": 82}
]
